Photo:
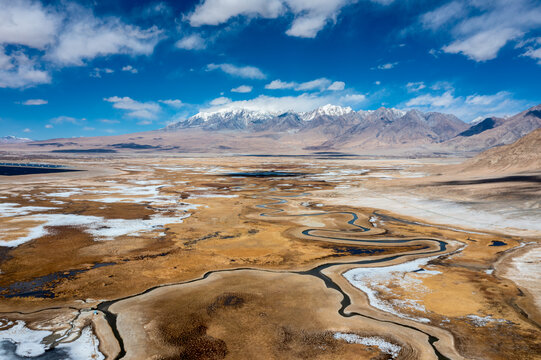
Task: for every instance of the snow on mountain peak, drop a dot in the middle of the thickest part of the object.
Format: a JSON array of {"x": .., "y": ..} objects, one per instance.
[
  {"x": 10, "y": 139},
  {"x": 326, "y": 110}
]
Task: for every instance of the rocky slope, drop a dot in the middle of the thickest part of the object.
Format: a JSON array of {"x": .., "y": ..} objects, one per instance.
[
  {"x": 497, "y": 131},
  {"x": 523, "y": 155}
]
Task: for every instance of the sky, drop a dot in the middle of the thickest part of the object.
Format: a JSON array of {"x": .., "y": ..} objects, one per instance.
[{"x": 94, "y": 68}]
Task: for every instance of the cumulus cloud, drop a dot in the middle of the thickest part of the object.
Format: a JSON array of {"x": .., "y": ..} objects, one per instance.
[
  {"x": 320, "y": 84},
  {"x": 309, "y": 17},
  {"x": 438, "y": 101},
  {"x": 279, "y": 84},
  {"x": 27, "y": 130},
  {"x": 301, "y": 102},
  {"x": 215, "y": 12},
  {"x": 97, "y": 72},
  {"x": 175, "y": 103},
  {"x": 65, "y": 34},
  {"x": 191, "y": 42},
  {"x": 483, "y": 45},
  {"x": 66, "y": 119},
  {"x": 248, "y": 72},
  {"x": 35, "y": 102},
  {"x": 86, "y": 37},
  {"x": 109, "y": 121},
  {"x": 468, "y": 107},
  {"x": 220, "y": 101},
  {"x": 352, "y": 99},
  {"x": 28, "y": 23},
  {"x": 387, "y": 66},
  {"x": 242, "y": 89},
  {"x": 480, "y": 29},
  {"x": 337, "y": 86},
  {"x": 17, "y": 70},
  {"x": 533, "y": 48},
  {"x": 135, "y": 109},
  {"x": 129, "y": 68},
  {"x": 415, "y": 86}
]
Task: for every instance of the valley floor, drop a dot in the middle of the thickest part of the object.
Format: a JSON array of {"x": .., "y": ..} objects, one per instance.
[{"x": 269, "y": 257}]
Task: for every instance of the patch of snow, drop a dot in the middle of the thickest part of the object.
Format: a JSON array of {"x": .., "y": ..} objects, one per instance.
[
  {"x": 476, "y": 216},
  {"x": 196, "y": 196},
  {"x": 385, "y": 346},
  {"x": 375, "y": 280},
  {"x": 484, "y": 320},
  {"x": 14, "y": 209},
  {"x": 86, "y": 346},
  {"x": 99, "y": 227},
  {"x": 66, "y": 193},
  {"x": 28, "y": 341}
]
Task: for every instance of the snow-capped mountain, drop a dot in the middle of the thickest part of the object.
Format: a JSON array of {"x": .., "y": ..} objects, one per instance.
[
  {"x": 224, "y": 119},
  {"x": 13, "y": 140},
  {"x": 333, "y": 125},
  {"x": 326, "y": 110}
]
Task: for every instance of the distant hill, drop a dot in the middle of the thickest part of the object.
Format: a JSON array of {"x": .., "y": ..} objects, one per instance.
[
  {"x": 524, "y": 155},
  {"x": 13, "y": 140},
  {"x": 496, "y": 131},
  {"x": 385, "y": 131}
]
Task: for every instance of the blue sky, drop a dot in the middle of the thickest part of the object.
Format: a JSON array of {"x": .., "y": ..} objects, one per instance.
[{"x": 92, "y": 68}]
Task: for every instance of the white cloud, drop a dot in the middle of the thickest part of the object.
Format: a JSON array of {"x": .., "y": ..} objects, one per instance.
[
  {"x": 215, "y": 12},
  {"x": 309, "y": 16},
  {"x": 387, "y": 66},
  {"x": 191, "y": 42},
  {"x": 96, "y": 72},
  {"x": 63, "y": 34},
  {"x": 86, "y": 37},
  {"x": 443, "y": 100},
  {"x": 48, "y": 126},
  {"x": 140, "y": 110},
  {"x": 483, "y": 45},
  {"x": 35, "y": 102},
  {"x": 17, "y": 70},
  {"x": 444, "y": 14},
  {"x": 65, "y": 119},
  {"x": 468, "y": 107},
  {"x": 279, "y": 84},
  {"x": 533, "y": 48},
  {"x": 415, "y": 86},
  {"x": 302, "y": 102},
  {"x": 352, "y": 99},
  {"x": 337, "y": 86},
  {"x": 242, "y": 89},
  {"x": 480, "y": 29},
  {"x": 220, "y": 101},
  {"x": 27, "y": 130},
  {"x": 377, "y": 82},
  {"x": 175, "y": 103},
  {"x": 109, "y": 121},
  {"x": 130, "y": 68},
  {"x": 249, "y": 72},
  {"x": 88, "y": 128},
  {"x": 320, "y": 84},
  {"x": 28, "y": 23}
]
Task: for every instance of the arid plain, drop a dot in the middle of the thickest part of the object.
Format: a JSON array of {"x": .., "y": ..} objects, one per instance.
[{"x": 319, "y": 256}]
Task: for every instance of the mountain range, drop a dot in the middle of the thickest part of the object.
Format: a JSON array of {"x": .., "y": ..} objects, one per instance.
[
  {"x": 333, "y": 126},
  {"x": 9, "y": 139},
  {"x": 386, "y": 131}
]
